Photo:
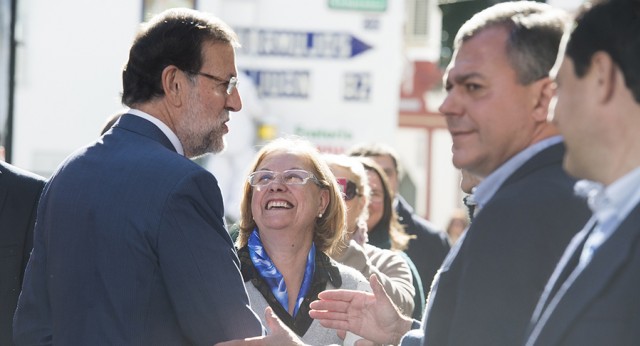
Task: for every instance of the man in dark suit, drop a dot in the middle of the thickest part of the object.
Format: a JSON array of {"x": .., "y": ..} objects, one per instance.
[
  {"x": 429, "y": 246},
  {"x": 498, "y": 93},
  {"x": 130, "y": 243},
  {"x": 592, "y": 297},
  {"x": 19, "y": 194}
]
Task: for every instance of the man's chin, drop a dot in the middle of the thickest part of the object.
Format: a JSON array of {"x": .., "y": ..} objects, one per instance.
[{"x": 217, "y": 146}]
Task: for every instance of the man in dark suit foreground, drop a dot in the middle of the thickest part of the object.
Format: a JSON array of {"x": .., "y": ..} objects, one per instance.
[
  {"x": 130, "y": 244},
  {"x": 592, "y": 297},
  {"x": 498, "y": 93},
  {"x": 19, "y": 194}
]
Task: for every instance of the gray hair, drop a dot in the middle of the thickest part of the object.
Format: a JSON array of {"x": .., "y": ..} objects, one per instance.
[{"x": 535, "y": 30}]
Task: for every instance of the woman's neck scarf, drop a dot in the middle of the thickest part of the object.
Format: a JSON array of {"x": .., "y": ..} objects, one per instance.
[{"x": 273, "y": 277}]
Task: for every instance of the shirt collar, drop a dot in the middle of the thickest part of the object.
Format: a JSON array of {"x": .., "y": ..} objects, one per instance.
[
  {"x": 488, "y": 186},
  {"x": 173, "y": 138},
  {"x": 618, "y": 198}
]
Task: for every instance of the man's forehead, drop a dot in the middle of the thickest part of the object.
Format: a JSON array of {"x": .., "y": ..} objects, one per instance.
[
  {"x": 464, "y": 68},
  {"x": 485, "y": 48}
]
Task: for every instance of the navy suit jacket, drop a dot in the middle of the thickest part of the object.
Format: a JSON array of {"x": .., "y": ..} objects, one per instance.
[
  {"x": 602, "y": 306},
  {"x": 131, "y": 249},
  {"x": 430, "y": 245},
  {"x": 488, "y": 292},
  {"x": 19, "y": 195}
]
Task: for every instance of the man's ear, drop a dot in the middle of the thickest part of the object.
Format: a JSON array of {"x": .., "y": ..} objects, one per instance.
[
  {"x": 173, "y": 80},
  {"x": 544, "y": 91},
  {"x": 604, "y": 70}
]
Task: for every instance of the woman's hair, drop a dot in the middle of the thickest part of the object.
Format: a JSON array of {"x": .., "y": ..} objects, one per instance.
[
  {"x": 389, "y": 221},
  {"x": 331, "y": 226},
  {"x": 357, "y": 174}
]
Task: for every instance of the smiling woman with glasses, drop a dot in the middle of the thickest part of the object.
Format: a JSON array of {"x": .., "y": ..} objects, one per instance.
[{"x": 292, "y": 218}]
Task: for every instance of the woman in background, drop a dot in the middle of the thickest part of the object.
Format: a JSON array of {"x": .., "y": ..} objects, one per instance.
[
  {"x": 390, "y": 267},
  {"x": 385, "y": 230}
]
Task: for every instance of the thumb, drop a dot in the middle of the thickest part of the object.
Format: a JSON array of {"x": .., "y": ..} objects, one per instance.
[
  {"x": 273, "y": 322},
  {"x": 376, "y": 286}
]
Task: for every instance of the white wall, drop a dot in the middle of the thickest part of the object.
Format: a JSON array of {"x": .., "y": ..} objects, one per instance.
[{"x": 68, "y": 81}]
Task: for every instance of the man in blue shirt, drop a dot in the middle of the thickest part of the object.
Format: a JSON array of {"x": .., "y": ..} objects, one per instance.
[{"x": 592, "y": 297}]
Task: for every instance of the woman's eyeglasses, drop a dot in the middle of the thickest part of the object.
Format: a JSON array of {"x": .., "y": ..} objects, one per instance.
[
  {"x": 348, "y": 188},
  {"x": 261, "y": 179}
]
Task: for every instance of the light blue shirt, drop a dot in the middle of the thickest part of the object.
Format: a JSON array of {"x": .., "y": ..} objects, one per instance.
[
  {"x": 173, "y": 138},
  {"x": 610, "y": 206},
  {"x": 483, "y": 193}
]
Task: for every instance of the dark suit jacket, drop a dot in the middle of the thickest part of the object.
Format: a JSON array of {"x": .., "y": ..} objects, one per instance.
[
  {"x": 487, "y": 295},
  {"x": 430, "y": 246},
  {"x": 19, "y": 195},
  {"x": 131, "y": 249},
  {"x": 602, "y": 306}
]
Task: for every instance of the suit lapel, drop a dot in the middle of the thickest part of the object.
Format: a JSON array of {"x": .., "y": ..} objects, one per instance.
[{"x": 593, "y": 280}]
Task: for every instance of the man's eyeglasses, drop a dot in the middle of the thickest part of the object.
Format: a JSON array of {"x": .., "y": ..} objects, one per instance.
[
  {"x": 232, "y": 83},
  {"x": 261, "y": 179},
  {"x": 348, "y": 188}
]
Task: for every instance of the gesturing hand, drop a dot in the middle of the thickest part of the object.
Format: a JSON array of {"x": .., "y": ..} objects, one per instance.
[{"x": 371, "y": 316}]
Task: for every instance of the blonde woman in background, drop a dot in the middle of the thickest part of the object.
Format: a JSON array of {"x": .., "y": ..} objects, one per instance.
[{"x": 390, "y": 267}]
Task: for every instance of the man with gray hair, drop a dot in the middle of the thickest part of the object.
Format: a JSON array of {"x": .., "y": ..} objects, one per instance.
[{"x": 498, "y": 93}]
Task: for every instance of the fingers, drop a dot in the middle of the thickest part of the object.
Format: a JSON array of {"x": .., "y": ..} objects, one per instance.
[
  {"x": 328, "y": 315},
  {"x": 330, "y": 305},
  {"x": 338, "y": 295}
]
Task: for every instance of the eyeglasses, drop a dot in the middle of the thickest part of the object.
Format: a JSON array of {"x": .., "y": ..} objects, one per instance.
[
  {"x": 261, "y": 179},
  {"x": 348, "y": 188},
  {"x": 232, "y": 83}
]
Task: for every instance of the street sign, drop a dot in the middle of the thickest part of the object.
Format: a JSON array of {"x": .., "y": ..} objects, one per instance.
[
  {"x": 359, "y": 5},
  {"x": 300, "y": 44}
]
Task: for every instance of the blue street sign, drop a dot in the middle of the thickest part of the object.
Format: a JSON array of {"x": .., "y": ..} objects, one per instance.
[
  {"x": 300, "y": 44},
  {"x": 281, "y": 83}
]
